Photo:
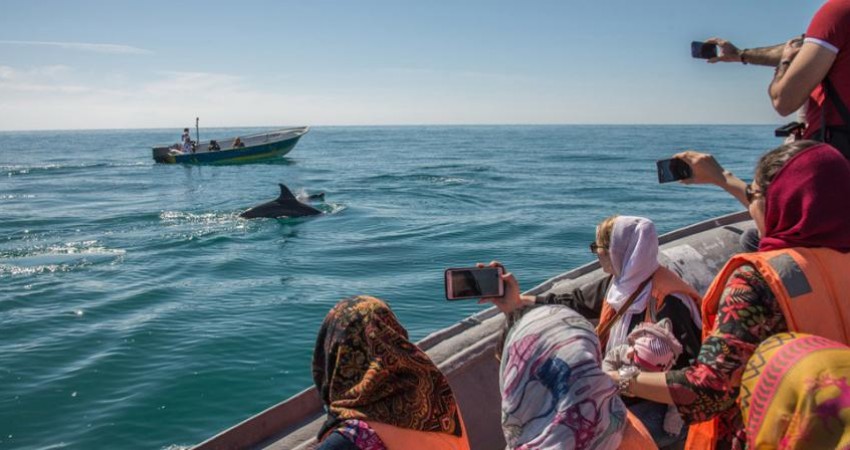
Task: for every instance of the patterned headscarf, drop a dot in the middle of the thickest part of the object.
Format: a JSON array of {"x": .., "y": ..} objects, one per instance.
[
  {"x": 365, "y": 368},
  {"x": 795, "y": 393},
  {"x": 554, "y": 392}
]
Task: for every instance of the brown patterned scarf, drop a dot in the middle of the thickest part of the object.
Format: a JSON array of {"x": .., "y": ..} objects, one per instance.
[{"x": 365, "y": 368}]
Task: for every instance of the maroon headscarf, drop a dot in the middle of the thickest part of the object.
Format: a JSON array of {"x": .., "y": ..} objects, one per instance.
[{"x": 808, "y": 202}]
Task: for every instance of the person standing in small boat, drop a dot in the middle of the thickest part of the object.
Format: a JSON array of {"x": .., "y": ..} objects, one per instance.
[
  {"x": 186, "y": 138},
  {"x": 380, "y": 391}
]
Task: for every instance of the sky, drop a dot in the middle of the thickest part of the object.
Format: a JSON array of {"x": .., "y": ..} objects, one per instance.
[{"x": 159, "y": 64}]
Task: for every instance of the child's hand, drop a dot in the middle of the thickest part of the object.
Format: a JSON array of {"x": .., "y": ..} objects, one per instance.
[{"x": 673, "y": 421}]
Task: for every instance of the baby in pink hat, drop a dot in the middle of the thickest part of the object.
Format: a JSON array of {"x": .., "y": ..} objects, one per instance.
[{"x": 653, "y": 348}]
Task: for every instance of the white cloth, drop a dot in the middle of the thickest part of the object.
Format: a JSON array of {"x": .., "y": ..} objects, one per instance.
[
  {"x": 634, "y": 257},
  {"x": 187, "y": 142}
]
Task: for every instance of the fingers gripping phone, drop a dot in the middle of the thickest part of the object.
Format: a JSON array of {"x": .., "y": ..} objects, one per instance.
[
  {"x": 703, "y": 50},
  {"x": 474, "y": 282},
  {"x": 673, "y": 169}
]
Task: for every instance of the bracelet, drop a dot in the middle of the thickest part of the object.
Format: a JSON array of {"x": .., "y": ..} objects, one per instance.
[
  {"x": 626, "y": 375},
  {"x": 785, "y": 62},
  {"x": 743, "y": 57}
]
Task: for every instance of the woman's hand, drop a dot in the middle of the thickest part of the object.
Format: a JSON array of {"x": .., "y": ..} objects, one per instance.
[
  {"x": 512, "y": 300},
  {"x": 706, "y": 170}
]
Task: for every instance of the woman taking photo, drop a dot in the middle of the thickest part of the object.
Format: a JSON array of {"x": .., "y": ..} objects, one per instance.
[
  {"x": 639, "y": 290},
  {"x": 797, "y": 281}
]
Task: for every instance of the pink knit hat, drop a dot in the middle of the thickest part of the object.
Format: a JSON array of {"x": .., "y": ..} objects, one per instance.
[{"x": 654, "y": 347}]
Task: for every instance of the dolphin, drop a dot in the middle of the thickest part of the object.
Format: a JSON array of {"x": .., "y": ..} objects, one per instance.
[
  {"x": 320, "y": 197},
  {"x": 286, "y": 205}
]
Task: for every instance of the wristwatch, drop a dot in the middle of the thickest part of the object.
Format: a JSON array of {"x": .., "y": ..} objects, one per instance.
[{"x": 625, "y": 375}]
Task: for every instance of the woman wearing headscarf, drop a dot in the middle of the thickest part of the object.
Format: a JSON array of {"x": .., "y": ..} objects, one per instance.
[
  {"x": 639, "y": 290},
  {"x": 797, "y": 281},
  {"x": 554, "y": 392},
  {"x": 380, "y": 390},
  {"x": 642, "y": 290},
  {"x": 795, "y": 393}
]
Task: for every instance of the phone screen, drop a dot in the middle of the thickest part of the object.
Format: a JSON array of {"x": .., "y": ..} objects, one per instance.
[
  {"x": 474, "y": 282},
  {"x": 702, "y": 50},
  {"x": 672, "y": 170}
]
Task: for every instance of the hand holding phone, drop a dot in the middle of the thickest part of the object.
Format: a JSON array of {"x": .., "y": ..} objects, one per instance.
[
  {"x": 474, "y": 282},
  {"x": 703, "y": 50},
  {"x": 673, "y": 169}
]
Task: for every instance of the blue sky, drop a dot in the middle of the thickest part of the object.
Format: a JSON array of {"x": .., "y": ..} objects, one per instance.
[{"x": 152, "y": 64}]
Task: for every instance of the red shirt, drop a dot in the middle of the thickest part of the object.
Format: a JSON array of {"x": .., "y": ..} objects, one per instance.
[{"x": 830, "y": 28}]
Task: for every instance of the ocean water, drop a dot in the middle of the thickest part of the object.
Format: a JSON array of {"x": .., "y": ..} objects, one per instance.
[{"x": 137, "y": 310}]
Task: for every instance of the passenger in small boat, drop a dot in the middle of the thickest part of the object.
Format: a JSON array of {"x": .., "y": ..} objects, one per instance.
[
  {"x": 188, "y": 144},
  {"x": 642, "y": 290},
  {"x": 237, "y": 143},
  {"x": 380, "y": 390},
  {"x": 639, "y": 290},
  {"x": 795, "y": 392},
  {"x": 554, "y": 392},
  {"x": 797, "y": 281}
]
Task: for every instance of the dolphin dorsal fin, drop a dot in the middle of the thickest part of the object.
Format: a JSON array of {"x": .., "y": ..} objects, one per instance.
[{"x": 285, "y": 193}]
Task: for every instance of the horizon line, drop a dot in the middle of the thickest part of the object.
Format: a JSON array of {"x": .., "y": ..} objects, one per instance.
[{"x": 2, "y": 130}]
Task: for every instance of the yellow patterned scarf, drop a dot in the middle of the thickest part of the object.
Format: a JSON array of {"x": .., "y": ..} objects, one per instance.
[
  {"x": 795, "y": 394},
  {"x": 365, "y": 368}
]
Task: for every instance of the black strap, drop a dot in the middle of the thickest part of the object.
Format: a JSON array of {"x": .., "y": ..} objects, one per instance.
[
  {"x": 832, "y": 95},
  {"x": 603, "y": 329}
]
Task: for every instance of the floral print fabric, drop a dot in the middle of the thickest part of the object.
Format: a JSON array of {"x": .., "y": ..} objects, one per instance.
[{"x": 748, "y": 313}]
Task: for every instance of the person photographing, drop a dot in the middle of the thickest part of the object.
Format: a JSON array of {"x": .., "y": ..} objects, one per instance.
[{"x": 812, "y": 71}]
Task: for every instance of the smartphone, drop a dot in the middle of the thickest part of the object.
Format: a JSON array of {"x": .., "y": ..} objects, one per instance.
[
  {"x": 474, "y": 282},
  {"x": 703, "y": 50},
  {"x": 673, "y": 169},
  {"x": 789, "y": 129}
]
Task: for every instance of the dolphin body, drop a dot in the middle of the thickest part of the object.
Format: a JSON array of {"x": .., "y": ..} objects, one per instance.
[{"x": 286, "y": 205}]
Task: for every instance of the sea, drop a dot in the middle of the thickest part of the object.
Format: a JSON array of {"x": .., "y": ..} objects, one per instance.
[{"x": 138, "y": 310}]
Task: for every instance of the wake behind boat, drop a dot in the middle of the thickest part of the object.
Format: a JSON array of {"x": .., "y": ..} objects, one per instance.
[{"x": 237, "y": 149}]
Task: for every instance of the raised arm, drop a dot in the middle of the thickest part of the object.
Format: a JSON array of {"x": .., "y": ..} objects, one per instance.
[
  {"x": 706, "y": 170},
  {"x": 761, "y": 56},
  {"x": 798, "y": 73}
]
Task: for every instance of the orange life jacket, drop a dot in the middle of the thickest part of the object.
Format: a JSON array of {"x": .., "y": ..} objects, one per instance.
[
  {"x": 808, "y": 283},
  {"x": 636, "y": 436},
  {"x": 664, "y": 283},
  {"x": 396, "y": 438}
]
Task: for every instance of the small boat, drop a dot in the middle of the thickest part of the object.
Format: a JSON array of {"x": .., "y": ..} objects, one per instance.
[
  {"x": 256, "y": 147},
  {"x": 465, "y": 351}
]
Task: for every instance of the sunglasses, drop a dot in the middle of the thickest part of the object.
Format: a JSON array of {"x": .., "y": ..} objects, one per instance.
[
  {"x": 594, "y": 247},
  {"x": 751, "y": 193}
]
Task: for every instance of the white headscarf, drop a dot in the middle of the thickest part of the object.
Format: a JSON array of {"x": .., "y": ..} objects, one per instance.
[
  {"x": 634, "y": 257},
  {"x": 555, "y": 395}
]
